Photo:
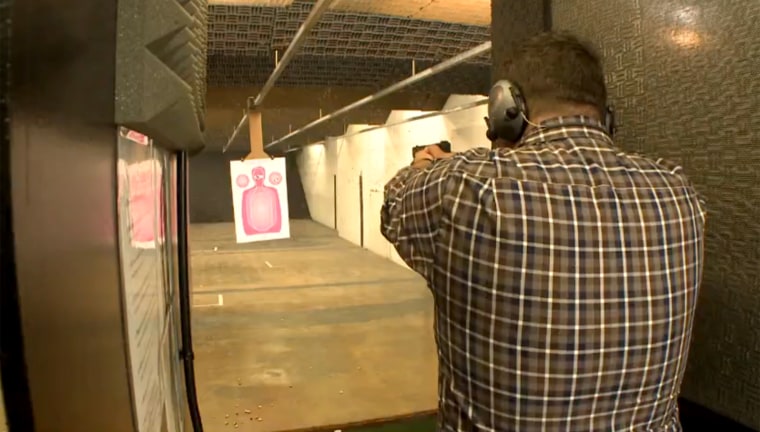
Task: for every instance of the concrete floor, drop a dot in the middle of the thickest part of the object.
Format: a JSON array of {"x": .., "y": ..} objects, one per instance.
[{"x": 306, "y": 332}]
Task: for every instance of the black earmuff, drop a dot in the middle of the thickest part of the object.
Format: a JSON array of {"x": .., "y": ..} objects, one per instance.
[
  {"x": 609, "y": 121},
  {"x": 508, "y": 113}
]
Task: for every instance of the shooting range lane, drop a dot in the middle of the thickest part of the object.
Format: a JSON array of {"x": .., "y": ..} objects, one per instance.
[{"x": 306, "y": 332}]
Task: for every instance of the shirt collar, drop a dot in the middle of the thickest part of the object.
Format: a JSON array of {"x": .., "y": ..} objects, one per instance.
[{"x": 567, "y": 128}]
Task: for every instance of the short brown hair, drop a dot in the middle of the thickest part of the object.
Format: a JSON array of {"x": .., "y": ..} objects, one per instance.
[{"x": 557, "y": 67}]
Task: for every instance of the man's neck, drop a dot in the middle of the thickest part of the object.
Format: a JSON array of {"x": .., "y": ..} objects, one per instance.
[
  {"x": 543, "y": 115},
  {"x": 564, "y": 111}
]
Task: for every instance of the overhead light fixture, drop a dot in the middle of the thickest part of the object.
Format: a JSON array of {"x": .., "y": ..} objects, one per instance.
[
  {"x": 686, "y": 38},
  {"x": 687, "y": 16}
]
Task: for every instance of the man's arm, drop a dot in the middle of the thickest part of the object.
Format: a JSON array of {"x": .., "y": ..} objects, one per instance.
[{"x": 412, "y": 211}]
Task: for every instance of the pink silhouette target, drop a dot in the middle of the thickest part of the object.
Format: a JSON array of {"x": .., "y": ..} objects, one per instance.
[{"x": 261, "y": 205}]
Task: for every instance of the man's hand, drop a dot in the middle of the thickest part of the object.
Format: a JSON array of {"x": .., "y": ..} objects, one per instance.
[{"x": 426, "y": 156}]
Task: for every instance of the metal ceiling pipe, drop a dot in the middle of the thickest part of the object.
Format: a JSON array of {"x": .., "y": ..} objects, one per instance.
[
  {"x": 298, "y": 40},
  {"x": 459, "y": 108},
  {"x": 427, "y": 73},
  {"x": 456, "y": 109}
]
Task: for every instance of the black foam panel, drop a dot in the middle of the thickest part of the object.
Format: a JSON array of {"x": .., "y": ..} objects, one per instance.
[
  {"x": 161, "y": 70},
  {"x": 344, "y": 48}
]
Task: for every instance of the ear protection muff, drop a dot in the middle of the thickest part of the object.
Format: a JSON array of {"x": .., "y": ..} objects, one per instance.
[
  {"x": 609, "y": 121},
  {"x": 508, "y": 113}
]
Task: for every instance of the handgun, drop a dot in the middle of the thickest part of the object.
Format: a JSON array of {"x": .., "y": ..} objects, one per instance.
[{"x": 444, "y": 145}]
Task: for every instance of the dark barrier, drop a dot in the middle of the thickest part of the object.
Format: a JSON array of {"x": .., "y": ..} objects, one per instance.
[
  {"x": 161, "y": 70},
  {"x": 684, "y": 80},
  {"x": 681, "y": 77}
]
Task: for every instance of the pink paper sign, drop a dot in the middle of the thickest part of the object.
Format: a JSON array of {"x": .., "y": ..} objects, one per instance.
[{"x": 140, "y": 189}]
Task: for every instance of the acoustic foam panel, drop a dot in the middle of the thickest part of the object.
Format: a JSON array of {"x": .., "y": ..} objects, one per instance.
[
  {"x": 161, "y": 70},
  {"x": 473, "y": 12},
  {"x": 346, "y": 48}
]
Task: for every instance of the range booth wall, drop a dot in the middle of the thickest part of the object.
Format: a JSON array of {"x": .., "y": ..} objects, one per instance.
[
  {"x": 683, "y": 78},
  {"x": 103, "y": 104}
]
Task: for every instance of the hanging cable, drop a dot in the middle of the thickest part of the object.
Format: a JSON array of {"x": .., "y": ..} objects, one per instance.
[
  {"x": 280, "y": 64},
  {"x": 183, "y": 266}
]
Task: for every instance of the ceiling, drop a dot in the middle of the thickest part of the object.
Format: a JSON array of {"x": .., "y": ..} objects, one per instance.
[
  {"x": 358, "y": 45},
  {"x": 475, "y": 12}
]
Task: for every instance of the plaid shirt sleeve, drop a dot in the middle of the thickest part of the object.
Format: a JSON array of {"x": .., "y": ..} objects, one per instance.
[{"x": 412, "y": 211}]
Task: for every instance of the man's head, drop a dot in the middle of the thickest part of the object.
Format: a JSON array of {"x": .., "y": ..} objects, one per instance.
[{"x": 558, "y": 74}]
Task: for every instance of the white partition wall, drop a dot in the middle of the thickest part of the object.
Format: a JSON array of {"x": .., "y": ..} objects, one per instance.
[
  {"x": 317, "y": 166},
  {"x": 352, "y": 153},
  {"x": 457, "y": 100},
  {"x": 467, "y": 128},
  {"x": 405, "y": 136},
  {"x": 332, "y": 172},
  {"x": 375, "y": 143}
]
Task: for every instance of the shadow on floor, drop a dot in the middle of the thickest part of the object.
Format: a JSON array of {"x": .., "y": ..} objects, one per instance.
[
  {"x": 423, "y": 422},
  {"x": 693, "y": 418}
]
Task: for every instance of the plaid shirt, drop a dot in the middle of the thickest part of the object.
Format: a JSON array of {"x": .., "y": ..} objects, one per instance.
[{"x": 565, "y": 275}]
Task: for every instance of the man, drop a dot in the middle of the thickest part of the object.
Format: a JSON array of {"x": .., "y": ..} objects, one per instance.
[{"x": 565, "y": 272}]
